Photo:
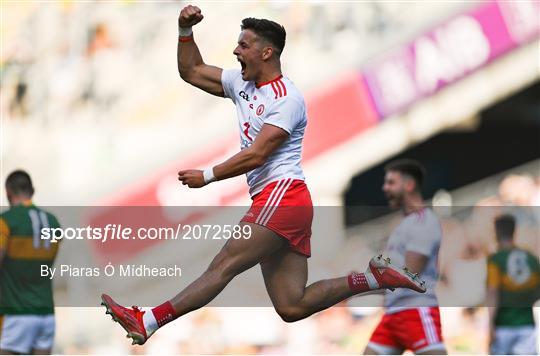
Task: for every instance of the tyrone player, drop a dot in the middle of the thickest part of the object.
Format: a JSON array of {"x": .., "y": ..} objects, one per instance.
[
  {"x": 272, "y": 119},
  {"x": 411, "y": 320}
]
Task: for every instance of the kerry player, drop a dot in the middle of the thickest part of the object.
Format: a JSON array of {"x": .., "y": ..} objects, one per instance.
[{"x": 26, "y": 299}]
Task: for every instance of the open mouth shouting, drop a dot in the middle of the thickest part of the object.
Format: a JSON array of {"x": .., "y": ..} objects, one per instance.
[{"x": 243, "y": 65}]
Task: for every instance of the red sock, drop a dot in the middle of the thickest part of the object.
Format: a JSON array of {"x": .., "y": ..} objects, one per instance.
[
  {"x": 164, "y": 313},
  {"x": 358, "y": 282}
]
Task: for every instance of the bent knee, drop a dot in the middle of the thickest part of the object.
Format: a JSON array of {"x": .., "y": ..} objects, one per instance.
[{"x": 290, "y": 314}]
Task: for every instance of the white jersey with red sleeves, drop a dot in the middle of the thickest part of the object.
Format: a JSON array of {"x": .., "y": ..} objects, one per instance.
[
  {"x": 418, "y": 232},
  {"x": 277, "y": 103}
]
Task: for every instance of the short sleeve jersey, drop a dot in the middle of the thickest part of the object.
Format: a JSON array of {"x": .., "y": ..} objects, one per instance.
[
  {"x": 515, "y": 273},
  {"x": 418, "y": 232},
  {"x": 22, "y": 288},
  {"x": 276, "y": 103}
]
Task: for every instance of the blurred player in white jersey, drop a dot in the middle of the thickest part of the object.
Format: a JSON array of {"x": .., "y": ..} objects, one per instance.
[
  {"x": 411, "y": 320},
  {"x": 272, "y": 119}
]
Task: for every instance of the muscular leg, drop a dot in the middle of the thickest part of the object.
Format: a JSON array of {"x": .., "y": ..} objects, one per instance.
[
  {"x": 285, "y": 277},
  {"x": 370, "y": 351},
  {"x": 234, "y": 258},
  {"x": 382, "y": 350},
  {"x": 433, "y": 352}
]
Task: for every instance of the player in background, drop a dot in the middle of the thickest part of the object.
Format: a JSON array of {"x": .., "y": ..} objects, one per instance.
[
  {"x": 272, "y": 119},
  {"x": 26, "y": 299},
  {"x": 513, "y": 285},
  {"x": 411, "y": 320}
]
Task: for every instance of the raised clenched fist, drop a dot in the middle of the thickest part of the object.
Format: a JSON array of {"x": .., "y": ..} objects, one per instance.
[{"x": 190, "y": 16}]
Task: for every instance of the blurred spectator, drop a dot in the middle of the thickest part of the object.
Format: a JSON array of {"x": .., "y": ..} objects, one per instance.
[
  {"x": 100, "y": 39},
  {"x": 536, "y": 196},
  {"x": 518, "y": 190},
  {"x": 18, "y": 106},
  {"x": 333, "y": 329},
  {"x": 518, "y": 193}
]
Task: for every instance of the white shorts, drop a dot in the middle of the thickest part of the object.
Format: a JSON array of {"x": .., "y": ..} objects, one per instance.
[
  {"x": 519, "y": 340},
  {"x": 24, "y": 333}
]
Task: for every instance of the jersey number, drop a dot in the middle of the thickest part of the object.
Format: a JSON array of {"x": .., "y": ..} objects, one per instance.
[
  {"x": 517, "y": 267},
  {"x": 39, "y": 221},
  {"x": 246, "y": 131}
]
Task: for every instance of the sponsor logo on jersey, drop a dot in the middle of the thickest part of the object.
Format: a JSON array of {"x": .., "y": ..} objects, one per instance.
[
  {"x": 260, "y": 110},
  {"x": 244, "y": 95}
]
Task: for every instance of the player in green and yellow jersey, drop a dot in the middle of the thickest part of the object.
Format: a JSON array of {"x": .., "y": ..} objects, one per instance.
[
  {"x": 26, "y": 299},
  {"x": 513, "y": 287}
]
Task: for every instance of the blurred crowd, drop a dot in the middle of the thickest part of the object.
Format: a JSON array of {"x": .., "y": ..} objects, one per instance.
[
  {"x": 101, "y": 78},
  {"x": 65, "y": 58}
]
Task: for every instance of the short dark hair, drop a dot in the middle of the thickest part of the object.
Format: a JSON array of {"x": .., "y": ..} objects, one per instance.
[
  {"x": 410, "y": 167},
  {"x": 19, "y": 183},
  {"x": 505, "y": 226},
  {"x": 268, "y": 30}
]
